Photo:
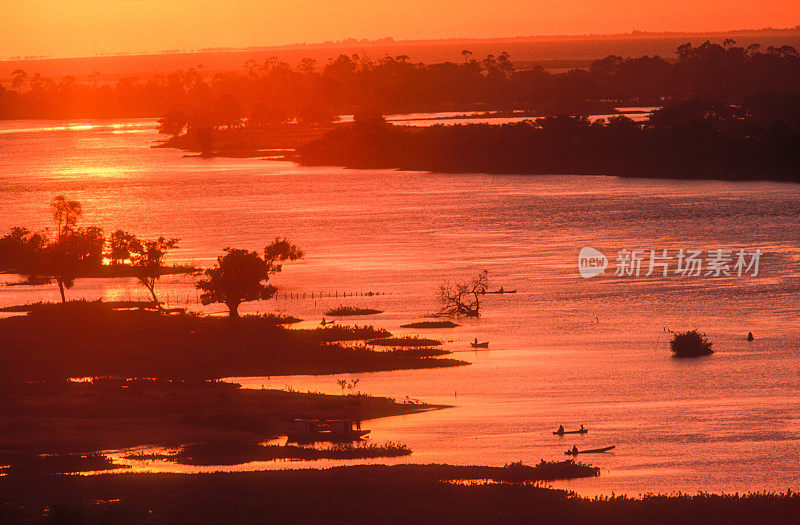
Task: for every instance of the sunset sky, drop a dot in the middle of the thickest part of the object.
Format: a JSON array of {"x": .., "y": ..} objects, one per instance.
[{"x": 89, "y": 27}]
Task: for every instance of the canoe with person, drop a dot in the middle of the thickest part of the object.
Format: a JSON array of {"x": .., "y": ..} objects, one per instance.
[
  {"x": 574, "y": 450},
  {"x": 499, "y": 291},
  {"x": 561, "y": 431}
]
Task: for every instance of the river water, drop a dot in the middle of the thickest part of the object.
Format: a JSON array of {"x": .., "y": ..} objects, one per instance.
[{"x": 563, "y": 349}]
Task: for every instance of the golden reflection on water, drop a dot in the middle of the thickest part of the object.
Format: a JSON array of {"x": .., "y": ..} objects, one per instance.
[{"x": 563, "y": 350}]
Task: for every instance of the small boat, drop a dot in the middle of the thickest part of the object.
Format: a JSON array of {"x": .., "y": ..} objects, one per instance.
[
  {"x": 590, "y": 451},
  {"x": 475, "y": 344},
  {"x": 330, "y": 430},
  {"x": 500, "y": 291},
  {"x": 579, "y": 431}
]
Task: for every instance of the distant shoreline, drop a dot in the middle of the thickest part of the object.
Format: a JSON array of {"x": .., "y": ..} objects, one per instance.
[{"x": 687, "y": 149}]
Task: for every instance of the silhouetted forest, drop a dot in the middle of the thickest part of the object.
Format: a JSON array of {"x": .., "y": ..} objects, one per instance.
[
  {"x": 273, "y": 92},
  {"x": 757, "y": 139}
]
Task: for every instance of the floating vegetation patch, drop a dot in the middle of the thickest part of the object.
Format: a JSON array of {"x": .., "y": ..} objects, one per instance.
[
  {"x": 430, "y": 324},
  {"x": 690, "y": 344},
  {"x": 345, "y": 311}
]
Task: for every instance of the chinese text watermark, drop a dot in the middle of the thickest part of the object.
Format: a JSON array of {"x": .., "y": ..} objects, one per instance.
[{"x": 664, "y": 262}]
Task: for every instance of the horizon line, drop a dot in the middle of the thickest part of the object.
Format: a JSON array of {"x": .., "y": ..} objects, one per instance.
[{"x": 388, "y": 40}]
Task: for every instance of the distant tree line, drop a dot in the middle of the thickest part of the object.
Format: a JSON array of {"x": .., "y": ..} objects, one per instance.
[
  {"x": 274, "y": 93},
  {"x": 757, "y": 139}
]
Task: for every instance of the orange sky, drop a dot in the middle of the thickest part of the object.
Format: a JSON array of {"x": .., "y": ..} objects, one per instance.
[{"x": 90, "y": 27}]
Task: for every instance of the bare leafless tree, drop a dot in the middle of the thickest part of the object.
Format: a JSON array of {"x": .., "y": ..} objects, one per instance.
[{"x": 463, "y": 299}]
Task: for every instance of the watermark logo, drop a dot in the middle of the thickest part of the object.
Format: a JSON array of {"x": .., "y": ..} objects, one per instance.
[
  {"x": 591, "y": 262},
  {"x": 685, "y": 263}
]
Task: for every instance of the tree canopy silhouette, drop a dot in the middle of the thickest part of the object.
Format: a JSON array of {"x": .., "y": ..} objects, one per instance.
[
  {"x": 147, "y": 258},
  {"x": 243, "y": 275},
  {"x": 463, "y": 299},
  {"x": 65, "y": 250}
]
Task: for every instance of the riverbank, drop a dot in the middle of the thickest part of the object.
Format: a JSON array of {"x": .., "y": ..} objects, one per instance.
[
  {"x": 365, "y": 494},
  {"x": 85, "y": 417},
  {"x": 91, "y": 339},
  {"x": 246, "y": 143}
]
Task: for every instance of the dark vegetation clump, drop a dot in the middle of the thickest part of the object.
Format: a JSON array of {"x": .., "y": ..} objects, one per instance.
[
  {"x": 690, "y": 344},
  {"x": 346, "y": 311},
  {"x": 349, "y": 333},
  {"x": 545, "y": 471},
  {"x": 60, "y": 463},
  {"x": 430, "y": 324},
  {"x": 281, "y": 318}
]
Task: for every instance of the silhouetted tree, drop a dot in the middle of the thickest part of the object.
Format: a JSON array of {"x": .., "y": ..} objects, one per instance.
[
  {"x": 173, "y": 123},
  {"x": 463, "y": 299},
  {"x": 22, "y": 251},
  {"x": 307, "y": 65},
  {"x": 242, "y": 275},
  {"x": 147, "y": 259},
  {"x": 63, "y": 254},
  {"x": 120, "y": 246},
  {"x": 18, "y": 80}
]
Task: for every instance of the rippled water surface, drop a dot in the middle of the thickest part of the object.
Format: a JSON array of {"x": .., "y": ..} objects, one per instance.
[{"x": 563, "y": 349}]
